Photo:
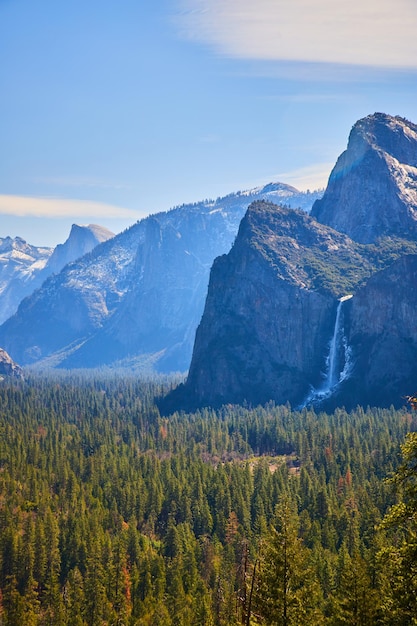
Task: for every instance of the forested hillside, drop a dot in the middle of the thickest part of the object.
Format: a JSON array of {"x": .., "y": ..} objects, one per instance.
[{"x": 110, "y": 514}]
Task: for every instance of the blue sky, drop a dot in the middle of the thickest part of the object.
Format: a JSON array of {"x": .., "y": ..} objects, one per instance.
[{"x": 111, "y": 110}]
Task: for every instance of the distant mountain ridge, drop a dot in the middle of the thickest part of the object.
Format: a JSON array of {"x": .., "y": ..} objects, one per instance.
[
  {"x": 138, "y": 297},
  {"x": 82, "y": 239},
  {"x": 24, "y": 267},
  {"x": 20, "y": 263},
  {"x": 301, "y": 312}
]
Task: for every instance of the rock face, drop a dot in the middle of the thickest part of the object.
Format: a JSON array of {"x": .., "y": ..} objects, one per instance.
[
  {"x": 82, "y": 239},
  {"x": 271, "y": 309},
  {"x": 300, "y": 312},
  {"x": 20, "y": 265},
  {"x": 137, "y": 297},
  {"x": 23, "y": 268},
  {"x": 382, "y": 332},
  {"x": 372, "y": 190},
  {"x": 8, "y": 368}
]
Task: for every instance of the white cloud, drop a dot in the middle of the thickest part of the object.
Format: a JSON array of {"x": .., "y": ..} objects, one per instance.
[
  {"x": 22, "y": 206},
  {"x": 310, "y": 177},
  {"x": 379, "y": 33}
]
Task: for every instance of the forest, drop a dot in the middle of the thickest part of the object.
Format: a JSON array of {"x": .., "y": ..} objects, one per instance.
[{"x": 113, "y": 515}]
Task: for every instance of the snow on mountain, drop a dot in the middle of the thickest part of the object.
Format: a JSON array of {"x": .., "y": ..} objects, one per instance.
[
  {"x": 82, "y": 239},
  {"x": 139, "y": 295},
  {"x": 20, "y": 263},
  {"x": 23, "y": 267}
]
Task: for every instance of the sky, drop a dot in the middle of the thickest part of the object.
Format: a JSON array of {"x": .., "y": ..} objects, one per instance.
[{"x": 112, "y": 110}]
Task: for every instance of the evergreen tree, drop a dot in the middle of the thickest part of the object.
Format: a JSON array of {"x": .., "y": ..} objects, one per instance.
[
  {"x": 287, "y": 594},
  {"x": 399, "y": 561}
]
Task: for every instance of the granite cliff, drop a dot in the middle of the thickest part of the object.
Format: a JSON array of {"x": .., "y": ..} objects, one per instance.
[
  {"x": 271, "y": 310},
  {"x": 82, "y": 239},
  {"x": 372, "y": 190},
  {"x": 301, "y": 312},
  {"x": 381, "y": 330}
]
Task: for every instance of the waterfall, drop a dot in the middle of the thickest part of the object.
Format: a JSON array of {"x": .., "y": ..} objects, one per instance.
[
  {"x": 338, "y": 362},
  {"x": 331, "y": 378}
]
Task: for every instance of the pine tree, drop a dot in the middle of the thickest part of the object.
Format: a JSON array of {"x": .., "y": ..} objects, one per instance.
[
  {"x": 400, "y": 559},
  {"x": 287, "y": 594}
]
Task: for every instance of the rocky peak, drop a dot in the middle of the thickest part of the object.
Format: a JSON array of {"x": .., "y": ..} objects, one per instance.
[
  {"x": 299, "y": 249},
  {"x": 372, "y": 190},
  {"x": 18, "y": 248},
  {"x": 394, "y": 136},
  {"x": 81, "y": 240}
]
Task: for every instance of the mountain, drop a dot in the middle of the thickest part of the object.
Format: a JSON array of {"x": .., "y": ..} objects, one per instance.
[
  {"x": 300, "y": 312},
  {"x": 271, "y": 311},
  {"x": 82, "y": 239},
  {"x": 381, "y": 331},
  {"x": 23, "y": 267},
  {"x": 20, "y": 264},
  {"x": 372, "y": 190},
  {"x": 138, "y": 297},
  {"x": 8, "y": 368}
]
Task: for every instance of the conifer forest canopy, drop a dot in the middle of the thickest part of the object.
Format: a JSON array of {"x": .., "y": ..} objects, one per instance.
[{"x": 111, "y": 514}]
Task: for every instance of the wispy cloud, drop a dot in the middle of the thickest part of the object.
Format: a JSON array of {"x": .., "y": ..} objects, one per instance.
[
  {"x": 378, "y": 33},
  {"x": 22, "y": 206},
  {"x": 310, "y": 177}
]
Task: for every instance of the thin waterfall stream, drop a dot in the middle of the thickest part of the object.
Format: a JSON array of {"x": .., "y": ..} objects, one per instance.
[{"x": 338, "y": 362}]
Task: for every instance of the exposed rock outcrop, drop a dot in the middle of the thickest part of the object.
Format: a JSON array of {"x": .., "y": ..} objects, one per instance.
[
  {"x": 381, "y": 328},
  {"x": 8, "y": 368},
  {"x": 372, "y": 190}
]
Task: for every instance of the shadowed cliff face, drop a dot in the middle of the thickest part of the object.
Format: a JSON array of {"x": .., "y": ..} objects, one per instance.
[
  {"x": 257, "y": 342},
  {"x": 270, "y": 310},
  {"x": 382, "y": 332},
  {"x": 372, "y": 190}
]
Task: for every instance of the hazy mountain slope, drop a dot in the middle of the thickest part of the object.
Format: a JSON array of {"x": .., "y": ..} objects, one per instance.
[
  {"x": 140, "y": 294},
  {"x": 23, "y": 267},
  {"x": 20, "y": 263}
]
